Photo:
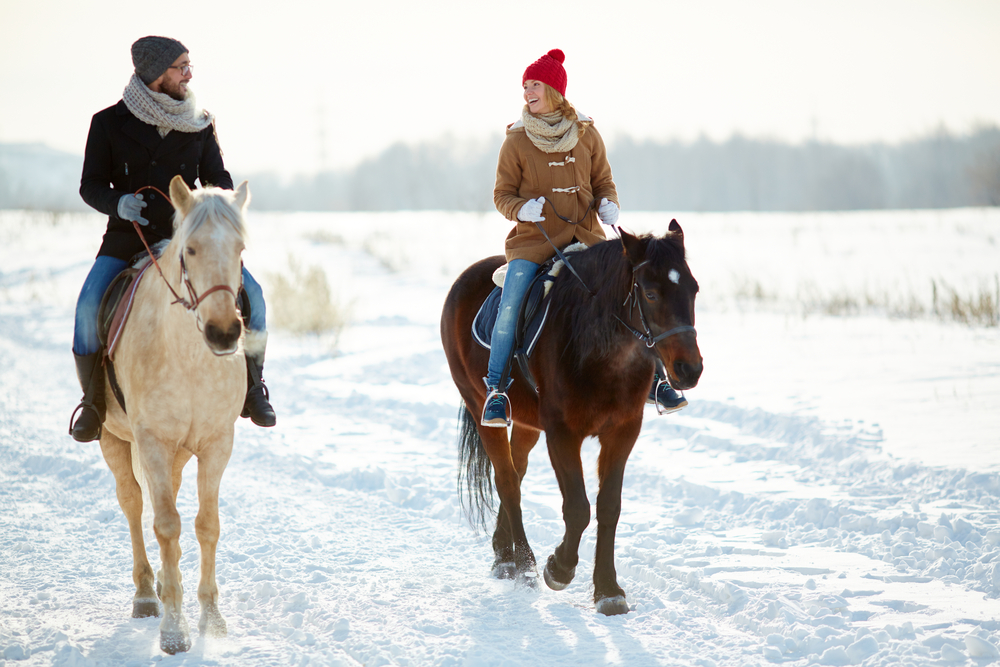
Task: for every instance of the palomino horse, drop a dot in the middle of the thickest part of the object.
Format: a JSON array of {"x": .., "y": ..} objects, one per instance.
[
  {"x": 593, "y": 365},
  {"x": 183, "y": 375}
]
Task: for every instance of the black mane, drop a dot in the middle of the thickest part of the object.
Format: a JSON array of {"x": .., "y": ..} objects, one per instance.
[{"x": 593, "y": 329}]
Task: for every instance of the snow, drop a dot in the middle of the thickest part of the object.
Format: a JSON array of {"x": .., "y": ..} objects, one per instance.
[{"x": 829, "y": 496}]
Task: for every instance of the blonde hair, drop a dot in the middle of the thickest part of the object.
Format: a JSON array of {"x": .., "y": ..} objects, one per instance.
[{"x": 560, "y": 104}]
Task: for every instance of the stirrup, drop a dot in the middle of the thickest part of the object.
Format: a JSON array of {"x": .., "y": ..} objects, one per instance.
[
  {"x": 666, "y": 408},
  {"x": 82, "y": 409},
  {"x": 495, "y": 395}
]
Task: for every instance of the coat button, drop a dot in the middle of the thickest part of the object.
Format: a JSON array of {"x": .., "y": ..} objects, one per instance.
[
  {"x": 183, "y": 167},
  {"x": 153, "y": 163},
  {"x": 152, "y": 195}
]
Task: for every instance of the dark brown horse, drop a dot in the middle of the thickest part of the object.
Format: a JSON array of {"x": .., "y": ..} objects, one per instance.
[{"x": 631, "y": 303}]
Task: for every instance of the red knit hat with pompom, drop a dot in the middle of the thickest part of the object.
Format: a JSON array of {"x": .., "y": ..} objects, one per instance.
[{"x": 549, "y": 70}]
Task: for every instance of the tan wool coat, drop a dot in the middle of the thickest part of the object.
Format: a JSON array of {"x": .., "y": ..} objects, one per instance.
[{"x": 524, "y": 172}]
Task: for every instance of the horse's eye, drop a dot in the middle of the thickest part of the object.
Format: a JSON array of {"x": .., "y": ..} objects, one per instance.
[
  {"x": 650, "y": 295},
  {"x": 191, "y": 252}
]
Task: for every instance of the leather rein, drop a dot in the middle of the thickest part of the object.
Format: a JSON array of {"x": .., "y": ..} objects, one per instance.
[
  {"x": 193, "y": 300},
  {"x": 646, "y": 336}
]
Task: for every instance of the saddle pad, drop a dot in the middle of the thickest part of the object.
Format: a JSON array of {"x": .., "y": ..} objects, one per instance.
[
  {"x": 531, "y": 322},
  {"x": 117, "y": 305}
]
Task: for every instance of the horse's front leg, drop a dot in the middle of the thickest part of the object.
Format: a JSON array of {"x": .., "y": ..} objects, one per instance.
[
  {"x": 118, "y": 455},
  {"x": 158, "y": 462},
  {"x": 616, "y": 446},
  {"x": 510, "y": 543},
  {"x": 564, "y": 453},
  {"x": 211, "y": 465}
]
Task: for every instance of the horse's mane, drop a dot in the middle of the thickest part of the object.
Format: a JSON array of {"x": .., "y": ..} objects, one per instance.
[
  {"x": 593, "y": 329},
  {"x": 209, "y": 203}
]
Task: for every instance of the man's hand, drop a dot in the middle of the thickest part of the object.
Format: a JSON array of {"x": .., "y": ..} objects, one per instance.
[
  {"x": 531, "y": 211},
  {"x": 130, "y": 208},
  {"x": 608, "y": 211}
]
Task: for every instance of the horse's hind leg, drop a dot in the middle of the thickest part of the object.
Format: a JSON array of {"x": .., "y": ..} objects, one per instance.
[
  {"x": 522, "y": 440},
  {"x": 510, "y": 544},
  {"x": 564, "y": 453},
  {"x": 118, "y": 455},
  {"x": 615, "y": 449},
  {"x": 206, "y": 525}
]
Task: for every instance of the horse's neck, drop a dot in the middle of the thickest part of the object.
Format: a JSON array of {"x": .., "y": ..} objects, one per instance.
[{"x": 166, "y": 288}]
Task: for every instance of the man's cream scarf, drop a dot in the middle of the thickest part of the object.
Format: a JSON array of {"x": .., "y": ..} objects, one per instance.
[
  {"x": 163, "y": 111},
  {"x": 551, "y": 132}
]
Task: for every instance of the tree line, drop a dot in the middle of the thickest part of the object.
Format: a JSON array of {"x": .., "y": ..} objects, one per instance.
[{"x": 937, "y": 170}]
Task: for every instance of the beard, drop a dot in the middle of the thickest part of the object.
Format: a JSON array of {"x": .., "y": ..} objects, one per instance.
[{"x": 176, "y": 91}]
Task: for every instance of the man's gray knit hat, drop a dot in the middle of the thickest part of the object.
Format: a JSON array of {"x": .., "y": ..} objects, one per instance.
[{"x": 153, "y": 55}]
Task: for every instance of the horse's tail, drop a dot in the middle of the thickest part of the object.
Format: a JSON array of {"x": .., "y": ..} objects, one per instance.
[{"x": 476, "y": 469}]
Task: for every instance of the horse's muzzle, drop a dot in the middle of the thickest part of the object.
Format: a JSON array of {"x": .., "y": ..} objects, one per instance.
[{"x": 223, "y": 341}]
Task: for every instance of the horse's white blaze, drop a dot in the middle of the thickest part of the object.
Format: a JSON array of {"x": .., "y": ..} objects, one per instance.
[{"x": 674, "y": 276}]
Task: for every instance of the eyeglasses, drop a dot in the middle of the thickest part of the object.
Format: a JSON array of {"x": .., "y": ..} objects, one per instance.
[{"x": 185, "y": 69}]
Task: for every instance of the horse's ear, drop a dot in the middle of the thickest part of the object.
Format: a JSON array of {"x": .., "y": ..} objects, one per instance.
[
  {"x": 180, "y": 195},
  {"x": 635, "y": 249},
  {"x": 243, "y": 195},
  {"x": 676, "y": 230}
]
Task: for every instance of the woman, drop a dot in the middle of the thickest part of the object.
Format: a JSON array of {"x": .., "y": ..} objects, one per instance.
[{"x": 552, "y": 156}]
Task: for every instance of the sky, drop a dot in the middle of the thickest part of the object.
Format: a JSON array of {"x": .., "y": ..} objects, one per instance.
[{"x": 300, "y": 86}]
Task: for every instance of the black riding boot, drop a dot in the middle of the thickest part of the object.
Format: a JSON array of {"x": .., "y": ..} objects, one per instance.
[
  {"x": 92, "y": 408},
  {"x": 256, "y": 405}
]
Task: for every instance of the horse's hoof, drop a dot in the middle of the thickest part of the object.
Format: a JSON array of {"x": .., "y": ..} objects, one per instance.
[
  {"x": 145, "y": 608},
  {"x": 550, "y": 578},
  {"x": 212, "y": 625},
  {"x": 613, "y": 606},
  {"x": 505, "y": 570},
  {"x": 174, "y": 642},
  {"x": 527, "y": 580}
]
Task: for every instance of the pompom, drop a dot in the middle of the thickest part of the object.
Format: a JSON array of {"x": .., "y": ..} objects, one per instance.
[{"x": 557, "y": 55}]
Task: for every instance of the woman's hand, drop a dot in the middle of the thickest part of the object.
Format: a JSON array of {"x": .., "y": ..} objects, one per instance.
[
  {"x": 532, "y": 210},
  {"x": 608, "y": 211}
]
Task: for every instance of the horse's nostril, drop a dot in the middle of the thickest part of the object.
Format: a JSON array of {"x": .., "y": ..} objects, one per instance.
[{"x": 223, "y": 339}]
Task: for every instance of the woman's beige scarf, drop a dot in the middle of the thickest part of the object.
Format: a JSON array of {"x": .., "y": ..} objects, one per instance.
[
  {"x": 163, "y": 111},
  {"x": 551, "y": 132}
]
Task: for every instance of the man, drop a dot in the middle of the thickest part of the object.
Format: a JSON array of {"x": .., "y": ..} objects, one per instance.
[{"x": 155, "y": 132}]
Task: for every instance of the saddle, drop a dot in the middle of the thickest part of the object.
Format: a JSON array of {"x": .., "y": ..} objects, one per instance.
[{"x": 534, "y": 311}]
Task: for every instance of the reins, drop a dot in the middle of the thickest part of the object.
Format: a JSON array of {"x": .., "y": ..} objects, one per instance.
[
  {"x": 646, "y": 336},
  {"x": 195, "y": 299}
]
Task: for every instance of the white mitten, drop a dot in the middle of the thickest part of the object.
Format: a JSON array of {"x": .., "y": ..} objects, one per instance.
[
  {"x": 608, "y": 211},
  {"x": 531, "y": 211}
]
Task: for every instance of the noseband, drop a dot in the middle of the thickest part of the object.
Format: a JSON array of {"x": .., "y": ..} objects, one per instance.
[{"x": 646, "y": 336}]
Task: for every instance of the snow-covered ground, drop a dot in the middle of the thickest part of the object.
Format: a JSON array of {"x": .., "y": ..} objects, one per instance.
[{"x": 830, "y": 496}]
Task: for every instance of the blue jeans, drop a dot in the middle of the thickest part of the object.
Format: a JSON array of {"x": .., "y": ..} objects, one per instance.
[
  {"x": 104, "y": 270},
  {"x": 520, "y": 273}
]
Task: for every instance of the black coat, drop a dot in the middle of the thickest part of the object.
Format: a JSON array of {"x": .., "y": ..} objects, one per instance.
[{"x": 123, "y": 154}]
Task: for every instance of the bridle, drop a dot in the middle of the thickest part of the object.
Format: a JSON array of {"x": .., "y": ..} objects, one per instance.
[
  {"x": 193, "y": 300},
  {"x": 646, "y": 336}
]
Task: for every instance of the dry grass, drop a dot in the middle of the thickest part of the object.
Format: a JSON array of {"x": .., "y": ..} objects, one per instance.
[
  {"x": 980, "y": 307},
  {"x": 300, "y": 302}
]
